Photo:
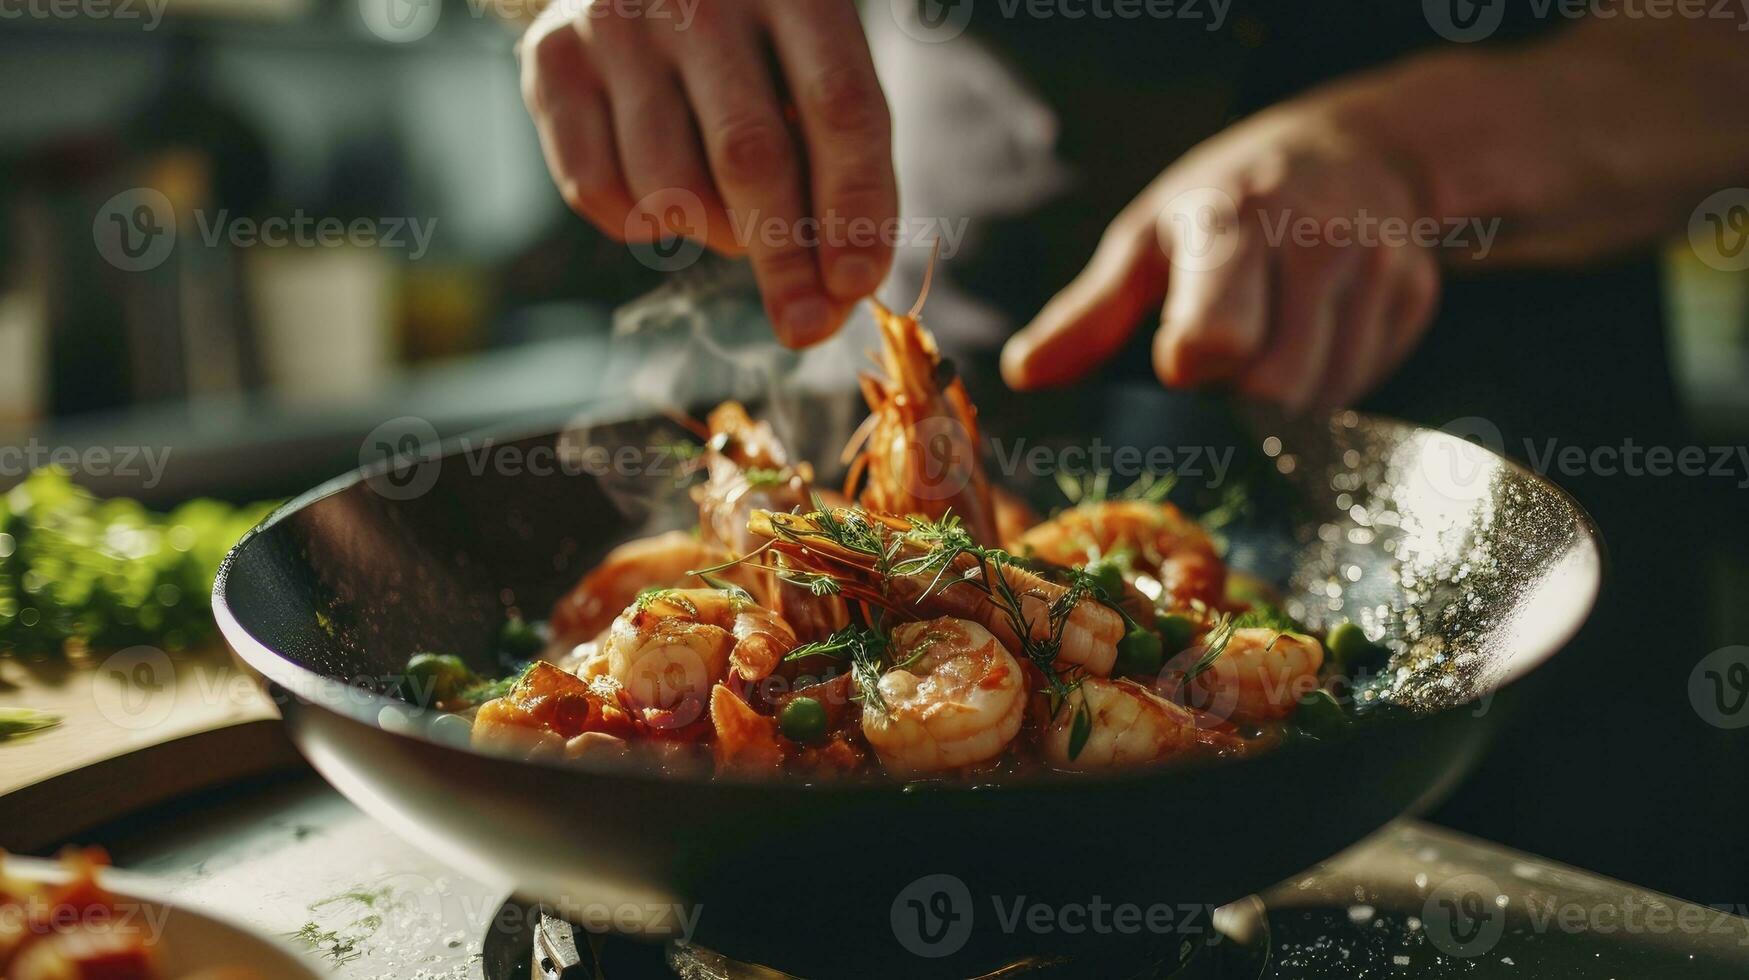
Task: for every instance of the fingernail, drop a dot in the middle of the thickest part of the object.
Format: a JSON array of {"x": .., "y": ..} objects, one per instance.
[
  {"x": 853, "y": 277},
  {"x": 1014, "y": 355},
  {"x": 806, "y": 320}
]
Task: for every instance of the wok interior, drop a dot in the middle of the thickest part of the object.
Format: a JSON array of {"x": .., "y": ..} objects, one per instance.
[
  {"x": 1473, "y": 569},
  {"x": 1476, "y": 570}
]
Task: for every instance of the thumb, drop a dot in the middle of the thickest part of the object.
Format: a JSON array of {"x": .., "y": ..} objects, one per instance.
[{"x": 1091, "y": 318}]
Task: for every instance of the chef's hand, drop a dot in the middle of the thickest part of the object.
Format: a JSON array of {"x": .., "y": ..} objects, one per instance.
[
  {"x": 639, "y": 113},
  {"x": 1256, "y": 243}
]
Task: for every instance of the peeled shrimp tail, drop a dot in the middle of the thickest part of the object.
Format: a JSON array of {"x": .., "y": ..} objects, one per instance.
[{"x": 762, "y": 640}]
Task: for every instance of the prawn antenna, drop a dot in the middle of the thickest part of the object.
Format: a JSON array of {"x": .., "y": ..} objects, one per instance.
[{"x": 928, "y": 277}]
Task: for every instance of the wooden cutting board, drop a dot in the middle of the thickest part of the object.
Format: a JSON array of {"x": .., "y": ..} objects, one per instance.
[{"x": 139, "y": 727}]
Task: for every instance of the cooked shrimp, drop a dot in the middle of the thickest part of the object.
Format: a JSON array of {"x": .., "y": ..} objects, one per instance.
[
  {"x": 546, "y": 708},
  {"x": 918, "y": 453},
  {"x": 1158, "y": 538},
  {"x": 1260, "y": 676},
  {"x": 659, "y": 561},
  {"x": 747, "y": 741},
  {"x": 1131, "y": 725},
  {"x": 748, "y": 469},
  {"x": 955, "y": 699},
  {"x": 672, "y": 646},
  {"x": 920, "y": 571}
]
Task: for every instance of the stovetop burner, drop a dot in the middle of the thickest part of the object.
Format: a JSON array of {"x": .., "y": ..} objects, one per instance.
[
  {"x": 300, "y": 863},
  {"x": 549, "y": 948}
]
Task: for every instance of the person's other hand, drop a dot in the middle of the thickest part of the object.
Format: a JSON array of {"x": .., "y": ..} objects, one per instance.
[
  {"x": 1271, "y": 247},
  {"x": 639, "y": 112}
]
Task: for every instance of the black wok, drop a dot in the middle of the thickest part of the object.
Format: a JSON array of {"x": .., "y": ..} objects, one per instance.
[{"x": 1477, "y": 571}]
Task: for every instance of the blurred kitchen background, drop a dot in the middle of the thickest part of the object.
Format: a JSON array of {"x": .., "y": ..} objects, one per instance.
[{"x": 262, "y": 366}]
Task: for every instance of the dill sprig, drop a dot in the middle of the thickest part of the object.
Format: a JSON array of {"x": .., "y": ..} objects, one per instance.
[
  {"x": 1213, "y": 645},
  {"x": 1235, "y": 503},
  {"x": 941, "y": 545},
  {"x": 1267, "y": 616},
  {"x": 1151, "y": 487},
  {"x": 666, "y": 597},
  {"x": 865, "y": 650},
  {"x": 817, "y": 583},
  {"x": 759, "y": 476}
]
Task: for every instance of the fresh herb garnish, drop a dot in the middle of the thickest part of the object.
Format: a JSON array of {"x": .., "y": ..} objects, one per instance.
[
  {"x": 668, "y": 597},
  {"x": 944, "y": 551},
  {"x": 1213, "y": 645},
  {"x": 1150, "y": 487},
  {"x": 492, "y": 690},
  {"x": 1263, "y": 615},
  {"x": 24, "y": 721},
  {"x": 865, "y": 650}
]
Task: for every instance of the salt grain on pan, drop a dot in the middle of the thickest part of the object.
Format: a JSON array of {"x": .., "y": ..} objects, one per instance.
[
  {"x": 1360, "y": 914},
  {"x": 1400, "y": 960}
]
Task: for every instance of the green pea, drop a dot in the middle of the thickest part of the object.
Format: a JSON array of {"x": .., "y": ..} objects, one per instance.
[
  {"x": 1321, "y": 717},
  {"x": 519, "y": 640},
  {"x": 1140, "y": 653},
  {"x": 1176, "y": 629},
  {"x": 1349, "y": 645},
  {"x": 1107, "y": 576},
  {"x": 432, "y": 678},
  {"x": 802, "y": 720}
]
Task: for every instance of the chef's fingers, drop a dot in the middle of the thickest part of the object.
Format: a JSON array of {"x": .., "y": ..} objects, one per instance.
[
  {"x": 1307, "y": 284},
  {"x": 1414, "y": 300},
  {"x": 848, "y": 130},
  {"x": 1091, "y": 318},
  {"x": 758, "y": 171},
  {"x": 569, "y": 108},
  {"x": 659, "y": 152},
  {"x": 1216, "y": 314},
  {"x": 1356, "y": 359}
]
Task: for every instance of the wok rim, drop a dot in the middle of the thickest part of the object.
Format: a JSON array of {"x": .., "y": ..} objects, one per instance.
[{"x": 322, "y": 692}]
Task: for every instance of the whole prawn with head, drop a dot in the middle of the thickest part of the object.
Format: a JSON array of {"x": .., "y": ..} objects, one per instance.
[
  {"x": 747, "y": 469},
  {"x": 918, "y": 453}
]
